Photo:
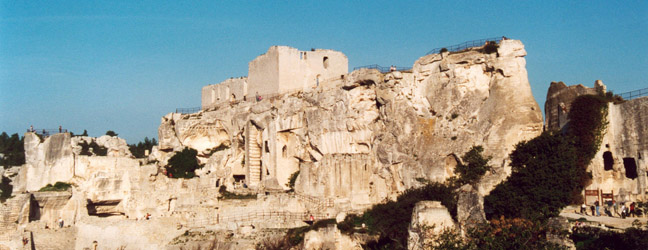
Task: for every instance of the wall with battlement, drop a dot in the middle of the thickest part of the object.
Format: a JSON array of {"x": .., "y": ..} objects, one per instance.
[
  {"x": 280, "y": 70},
  {"x": 233, "y": 89}
]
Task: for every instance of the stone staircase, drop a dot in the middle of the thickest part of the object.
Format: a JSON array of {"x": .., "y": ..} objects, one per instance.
[
  {"x": 11, "y": 210},
  {"x": 254, "y": 157}
]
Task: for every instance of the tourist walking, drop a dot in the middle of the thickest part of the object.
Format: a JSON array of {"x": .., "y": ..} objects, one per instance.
[
  {"x": 632, "y": 209},
  {"x": 598, "y": 212}
]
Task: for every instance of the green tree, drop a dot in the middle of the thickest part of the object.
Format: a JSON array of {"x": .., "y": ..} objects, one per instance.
[
  {"x": 542, "y": 179},
  {"x": 5, "y": 188},
  {"x": 474, "y": 166},
  {"x": 183, "y": 164},
  {"x": 291, "y": 180},
  {"x": 111, "y": 133},
  {"x": 13, "y": 150},
  {"x": 85, "y": 133},
  {"x": 139, "y": 150}
]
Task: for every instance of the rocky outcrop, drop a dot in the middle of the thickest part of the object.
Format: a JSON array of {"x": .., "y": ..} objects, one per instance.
[
  {"x": 428, "y": 218},
  {"x": 368, "y": 136},
  {"x": 355, "y": 139},
  {"x": 329, "y": 237},
  {"x": 470, "y": 208}
]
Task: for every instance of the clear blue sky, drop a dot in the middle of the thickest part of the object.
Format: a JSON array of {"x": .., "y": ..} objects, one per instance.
[{"x": 121, "y": 65}]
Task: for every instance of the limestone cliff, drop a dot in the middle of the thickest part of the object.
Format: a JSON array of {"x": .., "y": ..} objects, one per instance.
[
  {"x": 366, "y": 136},
  {"x": 356, "y": 139}
]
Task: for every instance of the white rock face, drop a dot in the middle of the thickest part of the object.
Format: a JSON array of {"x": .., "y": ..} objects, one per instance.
[
  {"x": 368, "y": 136},
  {"x": 429, "y": 216},
  {"x": 356, "y": 139},
  {"x": 47, "y": 162},
  {"x": 329, "y": 238}
]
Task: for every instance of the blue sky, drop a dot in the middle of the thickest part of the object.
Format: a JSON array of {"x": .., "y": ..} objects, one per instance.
[{"x": 122, "y": 65}]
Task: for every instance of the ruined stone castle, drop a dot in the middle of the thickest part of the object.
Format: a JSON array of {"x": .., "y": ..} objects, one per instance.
[{"x": 355, "y": 139}]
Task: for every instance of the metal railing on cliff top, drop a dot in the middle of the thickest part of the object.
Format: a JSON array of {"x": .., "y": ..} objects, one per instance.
[
  {"x": 466, "y": 45},
  {"x": 47, "y": 132},
  {"x": 634, "y": 94},
  {"x": 188, "y": 110},
  {"x": 451, "y": 48},
  {"x": 383, "y": 69}
]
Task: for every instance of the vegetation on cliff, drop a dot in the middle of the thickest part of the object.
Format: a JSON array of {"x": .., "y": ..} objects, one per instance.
[
  {"x": 503, "y": 233},
  {"x": 57, "y": 187},
  {"x": 391, "y": 220},
  {"x": 139, "y": 150},
  {"x": 5, "y": 188},
  {"x": 542, "y": 179},
  {"x": 92, "y": 148},
  {"x": 12, "y": 149},
  {"x": 183, "y": 164}
]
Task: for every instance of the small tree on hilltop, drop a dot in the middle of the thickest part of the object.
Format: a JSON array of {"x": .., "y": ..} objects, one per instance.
[
  {"x": 183, "y": 164},
  {"x": 111, "y": 133}
]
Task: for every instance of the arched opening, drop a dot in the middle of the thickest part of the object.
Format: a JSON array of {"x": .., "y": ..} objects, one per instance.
[
  {"x": 233, "y": 97},
  {"x": 325, "y": 62},
  {"x": 317, "y": 80},
  {"x": 284, "y": 151},
  {"x": 630, "y": 167},
  {"x": 608, "y": 160}
]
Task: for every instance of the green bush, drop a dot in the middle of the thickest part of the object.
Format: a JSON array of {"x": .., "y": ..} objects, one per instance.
[
  {"x": 96, "y": 149},
  {"x": 225, "y": 195},
  {"x": 58, "y": 186},
  {"x": 474, "y": 166},
  {"x": 596, "y": 238},
  {"x": 291, "y": 180},
  {"x": 443, "y": 50},
  {"x": 183, "y": 164},
  {"x": 5, "y": 188},
  {"x": 111, "y": 133},
  {"x": 542, "y": 179},
  {"x": 391, "y": 220},
  {"x": 497, "y": 234}
]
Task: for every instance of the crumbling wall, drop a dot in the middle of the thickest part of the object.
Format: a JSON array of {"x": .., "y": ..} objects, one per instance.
[{"x": 624, "y": 140}]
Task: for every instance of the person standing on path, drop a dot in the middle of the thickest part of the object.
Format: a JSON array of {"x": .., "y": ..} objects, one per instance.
[
  {"x": 598, "y": 212},
  {"x": 592, "y": 209}
]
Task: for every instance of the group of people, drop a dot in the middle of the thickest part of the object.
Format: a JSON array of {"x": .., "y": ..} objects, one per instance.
[{"x": 609, "y": 207}]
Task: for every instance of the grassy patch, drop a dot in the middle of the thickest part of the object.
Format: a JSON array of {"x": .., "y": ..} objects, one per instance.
[{"x": 57, "y": 187}]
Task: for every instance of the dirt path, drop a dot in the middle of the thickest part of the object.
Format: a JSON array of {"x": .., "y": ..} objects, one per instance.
[{"x": 615, "y": 222}]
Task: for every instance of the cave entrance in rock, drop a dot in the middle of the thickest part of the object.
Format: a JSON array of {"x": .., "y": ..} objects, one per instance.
[
  {"x": 104, "y": 208},
  {"x": 608, "y": 160},
  {"x": 239, "y": 178},
  {"x": 630, "y": 167}
]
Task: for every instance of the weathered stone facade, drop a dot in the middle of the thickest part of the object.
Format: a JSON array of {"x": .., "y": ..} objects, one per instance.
[{"x": 624, "y": 146}]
